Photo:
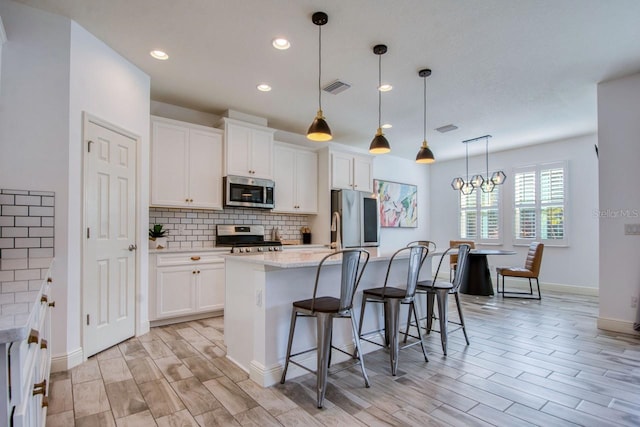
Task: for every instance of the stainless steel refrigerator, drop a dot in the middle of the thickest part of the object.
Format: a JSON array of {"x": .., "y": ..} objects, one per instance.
[{"x": 359, "y": 221}]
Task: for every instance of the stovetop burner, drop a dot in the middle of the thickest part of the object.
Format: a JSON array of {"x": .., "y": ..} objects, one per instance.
[{"x": 245, "y": 239}]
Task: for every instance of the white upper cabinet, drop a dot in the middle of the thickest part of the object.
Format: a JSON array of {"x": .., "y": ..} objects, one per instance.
[
  {"x": 351, "y": 171},
  {"x": 186, "y": 165},
  {"x": 296, "y": 178},
  {"x": 248, "y": 149}
]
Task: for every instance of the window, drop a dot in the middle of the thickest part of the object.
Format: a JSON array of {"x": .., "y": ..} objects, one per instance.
[
  {"x": 480, "y": 216},
  {"x": 539, "y": 204}
]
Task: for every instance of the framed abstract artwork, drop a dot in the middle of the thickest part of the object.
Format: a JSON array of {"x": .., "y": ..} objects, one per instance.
[{"x": 398, "y": 203}]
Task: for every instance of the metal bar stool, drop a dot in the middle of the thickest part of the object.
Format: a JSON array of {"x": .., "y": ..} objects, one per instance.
[
  {"x": 440, "y": 290},
  {"x": 392, "y": 297},
  {"x": 325, "y": 309}
]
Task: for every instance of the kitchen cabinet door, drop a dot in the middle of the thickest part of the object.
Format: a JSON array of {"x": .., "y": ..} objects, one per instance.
[
  {"x": 296, "y": 178},
  {"x": 186, "y": 165},
  {"x": 342, "y": 170},
  {"x": 351, "y": 172},
  {"x": 362, "y": 174},
  {"x": 175, "y": 291},
  {"x": 205, "y": 170},
  {"x": 210, "y": 287},
  {"x": 306, "y": 181},
  {"x": 248, "y": 150},
  {"x": 284, "y": 177},
  {"x": 169, "y": 163}
]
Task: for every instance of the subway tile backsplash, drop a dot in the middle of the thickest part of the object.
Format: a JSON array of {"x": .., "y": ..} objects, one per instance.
[
  {"x": 191, "y": 228},
  {"x": 26, "y": 224}
]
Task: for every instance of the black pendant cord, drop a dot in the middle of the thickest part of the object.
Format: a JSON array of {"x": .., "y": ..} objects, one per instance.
[
  {"x": 379, "y": 92},
  {"x": 424, "y": 133},
  {"x": 486, "y": 155},
  {"x": 467, "y": 157},
  {"x": 319, "y": 66}
]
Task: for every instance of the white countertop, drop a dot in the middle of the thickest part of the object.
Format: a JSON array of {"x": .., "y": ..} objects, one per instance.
[
  {"x": 225, "y": 249},
  {"x": 20, "y": 284},
  {"x": 302, "y": 258}
]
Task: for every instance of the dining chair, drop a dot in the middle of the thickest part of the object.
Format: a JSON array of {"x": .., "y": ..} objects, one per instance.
[
  {"x": 392, "y": 297},
  {"x": 325, "y": 309},
  {"x": 453, "y": 258},
  {"x": 531, "y": 270},
  {"x": 440, "y": 290}
]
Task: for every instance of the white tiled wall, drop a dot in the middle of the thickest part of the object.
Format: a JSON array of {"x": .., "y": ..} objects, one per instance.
[
  {"x": 26, "y": 224},
  {"x": 190, "y": 228}
]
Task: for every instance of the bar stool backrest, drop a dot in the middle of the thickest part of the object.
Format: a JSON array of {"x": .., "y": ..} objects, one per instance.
[
  {"x": 353, "y": 263},
  {"x": 417, "y": 255},
  {"x": 463, "y": 264}
]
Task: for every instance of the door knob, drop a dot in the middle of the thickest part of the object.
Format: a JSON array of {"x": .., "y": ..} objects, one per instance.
[{"x": 132, "y": 248}]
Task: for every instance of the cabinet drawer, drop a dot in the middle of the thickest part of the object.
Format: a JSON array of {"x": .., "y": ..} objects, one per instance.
[{"x": 190, "y": 258}]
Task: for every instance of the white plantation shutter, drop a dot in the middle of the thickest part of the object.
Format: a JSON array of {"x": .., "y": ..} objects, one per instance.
[
  {"x": 480, "y": 217},
  {"x": 552, "y": 204},
  {"x": 490, "y": 215},
  {"x": 468, "y": 216},
  {"x": 539, "y": 204},
  {"x": 525, "y": 204}
]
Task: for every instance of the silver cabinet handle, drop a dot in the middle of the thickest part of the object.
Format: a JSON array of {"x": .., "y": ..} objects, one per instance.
[{"x": 132, "y": 248}]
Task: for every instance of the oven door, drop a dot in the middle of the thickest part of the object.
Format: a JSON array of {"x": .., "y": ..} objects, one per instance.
[{"x": 248, "y": 192}]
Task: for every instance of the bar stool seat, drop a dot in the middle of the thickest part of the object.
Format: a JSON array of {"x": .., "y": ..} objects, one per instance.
[
  {"x": 325, "y": 309},
  {"x": 392, "y": 297}
]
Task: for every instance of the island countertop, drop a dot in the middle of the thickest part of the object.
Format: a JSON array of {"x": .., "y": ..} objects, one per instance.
[{"x": 305, "y": 258}]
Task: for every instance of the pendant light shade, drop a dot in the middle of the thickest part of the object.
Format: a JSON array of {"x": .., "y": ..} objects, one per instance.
[
  {"x": 319, "y": 129},
  {"x": 379, "y": 144},
  {"x": 425, "y": 155}
]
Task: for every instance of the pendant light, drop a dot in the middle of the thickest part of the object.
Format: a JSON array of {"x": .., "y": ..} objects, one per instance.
[
  {"x": 487, "y": 184},
  {"x": 319, "y": 129},
  {"x": 425, "y": 155},
  {"x": 379, "y": 144}
]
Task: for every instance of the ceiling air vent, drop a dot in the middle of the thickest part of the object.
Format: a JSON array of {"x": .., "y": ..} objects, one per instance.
[
  {"x": 336, "y": 87},
  {"x": 447, "y": 128}
]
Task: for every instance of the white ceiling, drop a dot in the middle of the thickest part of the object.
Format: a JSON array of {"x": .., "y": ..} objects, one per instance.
[{"x": 524, "y": 71}]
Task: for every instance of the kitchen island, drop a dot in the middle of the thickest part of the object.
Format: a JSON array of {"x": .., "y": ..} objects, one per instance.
[{"x": 259, "y": 292}]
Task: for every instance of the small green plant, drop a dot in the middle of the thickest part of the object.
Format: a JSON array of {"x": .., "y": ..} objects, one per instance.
[{"x": 157, "y": 231}]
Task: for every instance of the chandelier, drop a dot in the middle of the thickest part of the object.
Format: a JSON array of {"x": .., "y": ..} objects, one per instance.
[{"x": 478, "y": 181}]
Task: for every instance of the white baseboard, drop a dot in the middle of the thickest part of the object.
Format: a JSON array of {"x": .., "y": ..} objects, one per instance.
[
  {"x": 615, "y": 325},
  {"x": 67, "y": 361},
  {"x": 145, "y": 327},
  {"x": 570, "y": 289},
  {"x": 188, "y": 318}
]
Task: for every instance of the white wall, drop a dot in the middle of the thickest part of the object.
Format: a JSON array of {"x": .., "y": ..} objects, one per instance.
[
  {"x": 391, "y": 168},
  {"x": 618, "y": 130},
  {"x": 34, "y": 125},
  {"x": 575, "y": 265},
  {"x": 52, "y": 70},
  {"x": 109, "y": 87}
]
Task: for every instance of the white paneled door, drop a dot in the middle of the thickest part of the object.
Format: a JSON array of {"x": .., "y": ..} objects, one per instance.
[{"x": 109, "y": 264}]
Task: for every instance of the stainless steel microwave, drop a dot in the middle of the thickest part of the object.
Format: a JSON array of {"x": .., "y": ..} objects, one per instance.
[{"x": 244, "y": 192}]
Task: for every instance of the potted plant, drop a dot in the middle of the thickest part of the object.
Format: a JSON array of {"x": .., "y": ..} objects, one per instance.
[{"x": 157, "y": 239}]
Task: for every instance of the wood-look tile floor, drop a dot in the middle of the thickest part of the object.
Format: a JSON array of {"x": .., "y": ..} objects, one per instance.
[{"x": 529, "y": 363}]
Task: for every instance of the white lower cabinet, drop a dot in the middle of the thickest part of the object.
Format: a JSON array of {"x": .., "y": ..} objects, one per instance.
[
  {"x": 27, "y": 365},
  {"x": 185, "y": 284}
]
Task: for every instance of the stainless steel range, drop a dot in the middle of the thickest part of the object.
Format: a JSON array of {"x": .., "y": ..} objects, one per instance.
[{"x": 245, "y": 239}]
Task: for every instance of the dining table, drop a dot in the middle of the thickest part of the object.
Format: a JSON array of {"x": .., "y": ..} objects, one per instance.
[{"x": 477, "y": 279}]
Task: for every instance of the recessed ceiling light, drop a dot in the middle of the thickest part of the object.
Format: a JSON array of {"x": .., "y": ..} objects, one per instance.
[
  {"x": 385, "y": 87},
  {"x": 387, "y": 126},
  {"x": 263, "y": 87},
  {"x": 159, "y": 54},
  {"x": 281, "y": 44}
]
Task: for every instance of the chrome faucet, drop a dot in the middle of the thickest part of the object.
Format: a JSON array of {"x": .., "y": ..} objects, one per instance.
[{"x": 335, "y": 226}]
